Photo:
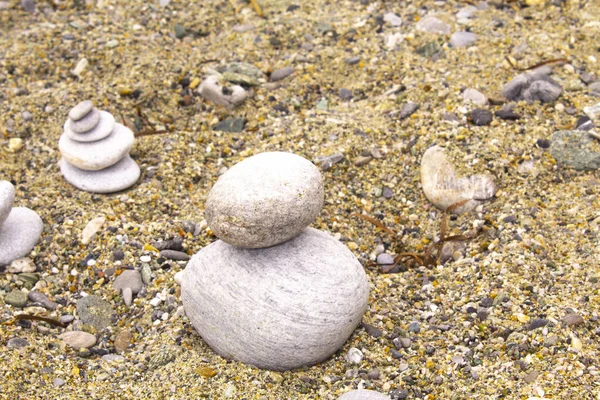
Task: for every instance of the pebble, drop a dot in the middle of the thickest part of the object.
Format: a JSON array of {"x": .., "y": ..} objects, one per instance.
[
  {"x": 414, "y": 327},
  {"x": 371, "y": 330},
  {"x": 17, "y": 343},
  {"x": 444, "y": 188},
  {"x": 129, "y": 278},
  {"x": 574, "y": 149},
  {"x": 346, "y": 94},
  {"x": 91, "y": 229},
  {"x": 41, "y": 298},
  {"x": 385, "y": 259},
  {"x": 95, "y": 311},
  {"x": 78, "y": 339},
  {"x": 363, "y": 394},
  {"x": 113, "y": 358},
  {"x": 594, "y": 89},
  {"x": 231, "y": 125},
  {"x": 146, "y": 274},
  {"x": 481, "y": 117},
  {"x": 115, "y": 178},
  {"x": 224, "y": 292},
  {"x": 81, "y": 110},
  {"x": 475, "y": 96},
  {"x": 392, "y": 19},
  {"x": 531, "y": 376},
  {"x": 408, "y": 109},
  {"x": 28, "y": 5},
  {"x": 327, "y": 162},
  {"x": 462, "y": 39},
  {"x": 281, "y": 74},
  {"x": 572, "y": 319},
  {"x": 507, "y": 113},
  {"x": 19, "y": 234},
  {"x": 67, "y": 318},
  {"x": 175, "y": 255},
  {"x": 211, "y": 90},
  {"x": 354, "y": 356},
  {"x": 264, "y": 200},
  {"x": 433, "y": 25},
  {"x": 105, "y": 126},
  {"x": 16, "y": 298},
  {"x": 21, "y": 265},
  {"x": 27, "y": 116},
  {"x": 57, "y": 382},
  {"x": 85, "y": 124},
  {"x": 352, "y": 60},
  {"x": 520, "y": 87},
  {"x": 122, "y": 341},
  {"x": 7, "y": 198},
  {"x": 543, "y": 91}
]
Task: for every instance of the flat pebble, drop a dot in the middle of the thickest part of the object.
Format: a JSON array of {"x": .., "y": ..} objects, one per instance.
[
  {"x": 354, "y": 356},
  {"x": 81, "y": 110},
  {"x": 115, "y": 178},
  {"x": 21, "y": 265},
  {"x": 41, "y": 298},
  {"x": 408, "y": 109},
  {"x": 475, "y": 96},
  {"x": 281, "y": 74},
  {"x": 392, "y": 19},
  {"x": 7, "y": 197},
  {"x": 362, "y": 394},
  {"x": 16, "y": 298},
  {"x": 103, "y": 129},
  {"x": 91, "y": 228},
  {"x": 19, "y": 234},
  {"x": 17, "y": 343},
  {"x": 78, "y": 339},
  {"x": 481, "y": 117},
  {"x": 433, "y": 25},
  {"x": 175, "y": 255},
  {"x": 85, "y": 124},
  {"x": 95, "y": 311},
  {"x": 122, "y": 341},
  {"x": 385, "y": 259},
  {"x": 462, "y": 39}
]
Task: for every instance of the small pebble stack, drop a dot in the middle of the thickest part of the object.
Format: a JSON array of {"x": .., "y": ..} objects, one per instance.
[
  {"x": 20, "y": 227},
  {"x": 95, "y": 151},
  {"x": 272, "y": 292}
]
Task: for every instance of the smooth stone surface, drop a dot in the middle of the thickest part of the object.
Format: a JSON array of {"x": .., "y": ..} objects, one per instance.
[
  {"x": 462, "y": 39},
  {"x": 281, "y": 74},
  {"x": 362, "y": 394},
  {"x": 42, "y": 299},
  {"x": 120, "y": 176},
  {"x": 94, "y": 156},
  {"x": 102, "y": 130},
  {"x": 265, "y": 200},
  {"x": 212, "y": 91},
  {"x": 521, "y": 84},
  {"x": 16, "y": 298},
  {"x": 129, "y": 278},
  {"x": 475, "y": 96},
  {"x": 278, "y": 308},
  {"x": 543, "y": 91},
  {"x": 444, "y": 188},
  {"x": 78, "y": 339},
  {"x": 94, "y": 311},
  {"x": 392, "y": 19},
  {"x": 19, "y": 234},
  {"x": 87, "y": 123},
  {"x": 17, "y": 343},
  {"x": 575, "y": 149},
  {"x": 81, "y": 110},
  {"x": 174, "y": 255},
  {"x": 7, "y": 197},
  {"x": 433, "y": 25}
]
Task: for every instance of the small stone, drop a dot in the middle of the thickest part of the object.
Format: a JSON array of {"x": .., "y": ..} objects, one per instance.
[
  {"x": 206, "y": 372},
  {"x": 15, "y": 145},
  {"x": 543, "y": 91},
  {"x": 594, "y": 89},
  {"x": 17, "y": 343},
  {"x": 122, "y": 341},
  {"x": 85, "y": 124},
  {"x": 327, "y": 162},
  {"x": 433, "y": 25},
  {"x": 362, "y": 160},
  {"x": 232, "y": 125},
  {"x": 408, "y": 109},
  {"x": 352, "y": 60},
  {"x": 129, "y": 278},
  {"x": 354, "y": 356},
  {"x": 28, "y": 5},
  {"x": 392, "y": 19},
  {"x": 19, "y": 234},
  {"x": 475, "y": 96},
  {"x": 531, "y": 376},
  {"x": 281, "y": 74},
  {"x": 81, "y": 110},
  {"x": 584, "y": 123},
  {"x": 414, "y": 327},
  {"x": 466, "y": 12},
  {"x": 572, "y": 319},
  {"x": 114, "y": 358},
  {"x": 67, "y": 319},
  {"x": 27, "y": 116},
  {"x": 387, "y": 192},
  {"x": 21, "y": 265},
  {"x": 227, "y": 96},
  {"x": 538, "y": 323},
  {"x": 115, "y": 178},
  {"x": 462, "y": 39},
  {"x": 7, "y": 198},
  {"x": 507, "y": 114},
  {"x": 105, "y": 126},
  {"x": 57, "y": 382},
  {"x": 322, "y": 105},
  {"x": 481, "y": 117},
  {"x": 146, "y": 274},
  {"x": 243, "y": 28},
  {"x": 94, "y": 311},
  {"x": 345, "y": 94},
  {"x": 574, "y": 149},
  {"x": 371, "y": 330},
  {"x": 385, "y": 259},
  {"x": 78, "y": 339},
  {"x": 41, "y": 298},
  {"x": 175, "y": 255},
  {"x": 180, "y": 31},
  {"x": 16, "y": 298},
  {"x": 127, "y": 294},
  {"x": 91, "y": 229}
]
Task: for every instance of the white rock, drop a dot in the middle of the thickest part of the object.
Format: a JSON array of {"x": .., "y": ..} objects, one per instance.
[
  {"x": 98, "y": 155},
  {"x": 82, "y": 109},
  {"x": 392, "y": 41},
  {"x": 127, "y": 296},
  {"x": 21, "y": 265},
  {"x": 91, "y": 229},
  {"x": 104, "y": 128},
  {"x": 120, "y": 176},
  {"x": 475, "y": 96},
  {"x": 354, "y": 356},
  {"x": 87, "y": 123},
  {"x": 363, "y": 394},
  {"x": 80, "y": 67},
  {"x": 7, "y": 197},
  {"x": 78, "y": 339},
  {"x": 278, "y": 308},
  {"x": 178, "y": 277},
  {"x": 392, "y": 19},
  {"x": 265, "y": 200},
  {"x": 433, "y": 25},
  {"x": 19, "y": 234},
  {"x": 444, "y": 188},
  {"x": 212, "y": 90},
  {"x": 466, "y": 12},
  {"x": 462, "y": 39},
  {"x": 129, "y": 278}
]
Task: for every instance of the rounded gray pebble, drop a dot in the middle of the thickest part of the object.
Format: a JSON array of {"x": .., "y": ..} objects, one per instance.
[
  {"x": 129, "y": 278},
  {"x": 279, "y": 308},
  {"x": 115, "y": 178},
  {"x": 7, "y": 197},
  {"x": 81, "y": 110},
  {"x": 102, "y": 130},
  {"x": 265, "y": 200},
  {"x": 385, "y": 259},
  {"x": 281, "y": 74},
  {"x": 19, "y": 234},
  {"x": 175, "y": 255},
  {"x": 41, "y": 298},
  {"x": 17, "y": 343},
  {"x": 78, "y": 339},
  {"x": 16, "y": 298},
  {"x": 87, "y": 123}
]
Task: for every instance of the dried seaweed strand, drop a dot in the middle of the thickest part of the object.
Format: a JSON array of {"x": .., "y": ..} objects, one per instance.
[
  {"x": 374, "y": 222},
  {"x": 540, "y": 64},
  {"x": 257, "y": 8},
  {"x": 51, "y": 321}
]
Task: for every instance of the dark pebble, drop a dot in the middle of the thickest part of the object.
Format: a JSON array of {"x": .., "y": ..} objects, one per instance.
[
  {"x": 399, "y": 394},
  {"x": 481, "y": 117},
  {"x": 543, "y": 143},
  {"x": 371, "y": 330},
  {"x": 175, "y": 255},
  {"x": 346, "y": 94},
  {"x": 537, "y": 323},
  {"x": 352, "y": 60},
  {"x": 374, "y": 374},
  {"x": 584, "y": 123},
  {"x": 292, "y": 7},
  {"x": 387, "y": 192},
  {"x": 487, "y": 301},
  {"x": 408, "y": 109},
  {"x": 414, "y": 327},
  {"x": 511, "y": 219},
  {"x": 173, "y": 244},
  {"x": 507, "y": 114},
  {"x": 118, "y": 255},
  {"x": 281, "y": 74},
  {"x": 180, "y": 31}
]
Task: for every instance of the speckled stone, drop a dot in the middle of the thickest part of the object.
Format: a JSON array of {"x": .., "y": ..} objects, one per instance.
[
  {"x": 265, "y": 200},
  {"x": 115, "y": 178},
  {"x": 7, "y": 197},
  {"x": 81, "y": 110},
  {"x": 102, "y": 130},
  {"x": 575, "y": 149},
  {"x": 94, "y": 156},
  {"x": 19, "y": 234},
  {"x": 362, "y": 394},
  {"x": 87, "y": 123},
  {"x": 94, "y": 311},
  {"x": 16, "y": 298},
  {"x": 278, "y": 308},
  {"x": 78, "y": 339}
]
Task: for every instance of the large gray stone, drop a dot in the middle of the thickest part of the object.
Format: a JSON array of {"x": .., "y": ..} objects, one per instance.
[
  {"x": 576, "y": 149},
  {"x": 115, "y": 178},
  {"x": 445, "y": 189},
  {"x": 19, "y": 234},
  {"x": 7, "y": 197},
  {"x": 102, "y": 130},
  {"x": 265, "y": 200},
  {"x": 279, "y": 308},
  {"x": 94, "y": 156},
  {"x": 362, "y": 394},
  {"x": 531, "y": 86}
]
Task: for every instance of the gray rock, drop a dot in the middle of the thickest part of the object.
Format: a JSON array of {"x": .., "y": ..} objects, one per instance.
[
  {"x": 87, "y": 123},
  {"x": 115, "y": 178},
  {"x": 146, "y": 274},
  {"x": 385, "y": 259},
  {"x": 28, "y": 5},
  {"x": 102, "y": 130},
  {"x": 433, "y": 25},
  {"x": 7, "y": 197},
  {"x": 265, "y": 200},
  {"x": 57, "y": 382},
  {"x": 17, "y": 343},
  {"x": 278, "y": 308},
  {"x": 67, "y": 318},
  {"x": 27, "y": 116},
  {"x": 231, "y": 125},
  {"x": 42, "y": 299},
  {"x": 352, "y": 60},
  {"x": 481, "y": 117},
  {"x": 81, "y": 110},
  {"x": 346, "y": 94},
  {"x": 175, "y": 255},
  {"x": 574, "y": 149},
  {"x": 475, "y": 96},
  {"x": 362, "y": 394},
  {"x": 281, "y": 74},
  {"x": 94, "y": 156},
  {"x": 78, "y": 339},
  {"x": 392, "y": 19},
  {"x": 19, "y": 234},
  {"x": 129, "y": 278},
  {"x": 113, "y": 358},
  {"x": 466, "y": 12},
  {"x": 572, "y": 319},
  {"x": 96, "y": 312},
  {"x": 16, "y": 298},
  {"x": 229, "y": 96},
  {"x": 326, "y": 162},
  {"x": 543, "y": 91},
  {"x": 522, "y": 87},
  {"x": 127, "y": 296},
  {"x": 462, "y": 39},
  {"x": 594, "y": 89},
  {"x": 408, "y": 109}
]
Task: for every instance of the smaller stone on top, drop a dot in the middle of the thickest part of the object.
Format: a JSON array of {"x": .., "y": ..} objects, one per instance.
[
  {"x": 81, "y": 110},
  {"x": 86, "y": 123}
]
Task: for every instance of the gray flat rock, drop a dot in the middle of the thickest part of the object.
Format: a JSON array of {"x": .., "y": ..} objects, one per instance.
[
  {"x": 115, "y": 178},
  {"x": 95, "y": 311},
  {"x": 362, "y": 394},
  {"x": 129, "y": 278},
  {"x": 87, "y": 123},
  {"x": 94, "y": 156},
  {"x": 78, "y": 339},
  {"x": 281, "y": 74},
  {"x": 81, "y": 110},
  {"x": 19, "y": 234},
  {"x": 265, "y": 200},
  {"x": 462, "y": 39},
  {"x": 7, "y": 197},
  {"x": 576, "y": 149},
  {"x": 279, "y": 308},
  {"x": 102, "y": 130}
]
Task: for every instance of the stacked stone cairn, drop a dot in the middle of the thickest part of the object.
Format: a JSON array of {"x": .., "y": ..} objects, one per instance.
[
  {"x": 95, "y": 151},
  {"x": 272, "y": 292},
  {"x": 20, "y": 227}
]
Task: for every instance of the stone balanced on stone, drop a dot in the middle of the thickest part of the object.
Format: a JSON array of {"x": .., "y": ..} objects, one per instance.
[
  {"x": 95, "y": 151},
  {"x": 20, "y": 227},
  {"x": 272, "y": 292}
]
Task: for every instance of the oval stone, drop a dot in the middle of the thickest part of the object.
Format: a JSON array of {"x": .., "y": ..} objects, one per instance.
[
  {"x": 87, "y": 123},
  {"x": 362, "y": 394},
  {"x": 115, "y": 178},
  {"x": 78, "y": 339},
  {"x": 81, "y": 110},
  {"x": 279, "y": 308},
  {"x": 7, "y": 197},
  {"x": 265, "y": 200},
  {"x": 103, "y": 129},
  {"x": 19, "y": 234},
  {"x": 94, "y": 156}
]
